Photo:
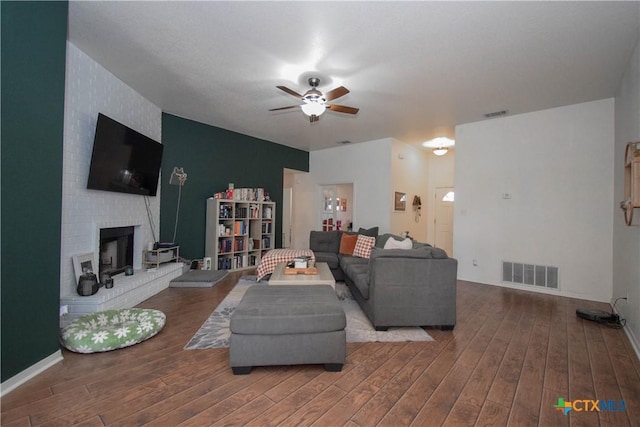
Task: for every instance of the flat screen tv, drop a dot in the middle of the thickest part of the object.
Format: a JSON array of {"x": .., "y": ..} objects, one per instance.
[{"x": 123, "y": 160}]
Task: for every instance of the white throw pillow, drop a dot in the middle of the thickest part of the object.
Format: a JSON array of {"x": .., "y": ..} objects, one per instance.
[{"x": 398, "y": 244}]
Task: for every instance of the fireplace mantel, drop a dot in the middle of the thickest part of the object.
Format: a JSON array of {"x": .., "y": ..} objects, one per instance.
[{"x": 127, "y": 291}]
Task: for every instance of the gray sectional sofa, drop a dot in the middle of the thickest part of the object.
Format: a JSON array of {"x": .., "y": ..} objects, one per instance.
[{"x": 395, "y": 287}]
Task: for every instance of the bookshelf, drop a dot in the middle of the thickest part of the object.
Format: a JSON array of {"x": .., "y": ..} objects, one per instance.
[{"x": 238, "y": 232}]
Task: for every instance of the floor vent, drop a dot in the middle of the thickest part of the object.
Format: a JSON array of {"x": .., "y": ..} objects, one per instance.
[{"x": 530, "y": 274}]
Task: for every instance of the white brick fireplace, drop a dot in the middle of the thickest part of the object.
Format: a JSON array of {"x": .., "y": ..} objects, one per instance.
[{"x": 91, "y": 89}]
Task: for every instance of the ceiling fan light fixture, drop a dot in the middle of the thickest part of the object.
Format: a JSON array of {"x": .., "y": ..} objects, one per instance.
[
  {"x": 313, "y": 108},
  {"x": 440, "y": 151}
]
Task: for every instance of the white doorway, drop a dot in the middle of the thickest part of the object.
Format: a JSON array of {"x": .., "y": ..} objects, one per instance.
[
  {"x": 336, "y": 207},
  {"x": 287, "y": 200},
  {"x": 443, "y": 220}
]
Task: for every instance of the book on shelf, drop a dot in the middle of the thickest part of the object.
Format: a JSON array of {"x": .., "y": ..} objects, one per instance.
[
  {"x": 266, "y": 212},
  {"x": 266, "y": 242},
  {"x": 242, "y": 194},
  {"x": 241, "y": 212},
  {"x": 238, "y": 244},
  {"x": 224, "y": 246},
  {"x": 226, "y": 211},
  {"x": 240, "y": 228},
  {"x": 254, "y": 211}
]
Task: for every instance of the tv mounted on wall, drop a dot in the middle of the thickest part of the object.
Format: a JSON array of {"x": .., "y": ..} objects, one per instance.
[{"x": 123, "y": 160}]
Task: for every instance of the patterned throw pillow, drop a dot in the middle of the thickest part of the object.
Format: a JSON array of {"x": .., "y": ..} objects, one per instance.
[{"x": 363, "y": 246}]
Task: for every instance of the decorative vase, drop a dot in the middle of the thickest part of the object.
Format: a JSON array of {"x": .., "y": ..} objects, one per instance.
[{"x": 87, "y": 285}]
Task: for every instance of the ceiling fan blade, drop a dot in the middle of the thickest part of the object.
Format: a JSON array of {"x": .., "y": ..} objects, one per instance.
[
  {"x": 336, "y": 93},
  {"x": 284, "y": 108},
  {"x": 289, "y": 91},
  {"x": 343, "y": 109}
]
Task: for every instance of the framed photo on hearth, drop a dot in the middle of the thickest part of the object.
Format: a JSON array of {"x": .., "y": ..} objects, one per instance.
[
  {"x": 400, "y": 201},
  {"x": 82, "y": 264}
]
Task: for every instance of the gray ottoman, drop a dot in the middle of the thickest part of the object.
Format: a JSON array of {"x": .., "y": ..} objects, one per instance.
[{"x": 288, "y": 325}]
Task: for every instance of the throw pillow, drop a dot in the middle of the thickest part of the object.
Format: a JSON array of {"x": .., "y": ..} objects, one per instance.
[
  {"x": 363, "y": 246},
  {"x": 373, "y": 231},
  {"x": 348, "y": 243},
  {"x": 398, "y": 244},
  {"x": 382, "y": 239}
]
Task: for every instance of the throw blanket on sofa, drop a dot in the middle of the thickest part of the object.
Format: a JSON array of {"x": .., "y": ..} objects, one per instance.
[{"x": 269, "y": 261}]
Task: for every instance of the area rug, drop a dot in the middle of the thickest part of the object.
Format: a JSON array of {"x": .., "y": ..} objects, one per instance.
[
  {"x": 215, "y": 333},
  {"x": 198, "y": 279}
]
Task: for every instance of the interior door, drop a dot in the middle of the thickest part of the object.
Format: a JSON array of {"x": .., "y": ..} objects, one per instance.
[
  {"x": 287, "y": 197},
  {"x": 328, "y": 217},
  {"x": 443, "y": 220}
]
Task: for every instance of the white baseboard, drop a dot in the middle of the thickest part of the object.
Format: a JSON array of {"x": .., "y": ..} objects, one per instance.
[
  {"x": 24, "y": 376},
  {"x": 632, "y": 338},
  {"x": 633, "y": 341}
]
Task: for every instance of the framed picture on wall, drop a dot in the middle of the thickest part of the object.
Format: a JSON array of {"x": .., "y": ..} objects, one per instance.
[
  {"x": 400, "y": 201},
  {"x": 82, "y": 264}
]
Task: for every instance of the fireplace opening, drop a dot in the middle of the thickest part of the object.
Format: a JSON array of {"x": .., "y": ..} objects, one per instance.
[{"x": 116, "y": 250}]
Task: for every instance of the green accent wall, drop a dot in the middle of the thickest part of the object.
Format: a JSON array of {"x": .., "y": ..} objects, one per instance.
[
  {"x": 33, "y": 82},
  {"x": 212, "y": 158}
]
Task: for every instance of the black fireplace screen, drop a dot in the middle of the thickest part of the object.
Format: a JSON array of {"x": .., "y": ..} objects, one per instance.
[{"x": 116, "y": 250}]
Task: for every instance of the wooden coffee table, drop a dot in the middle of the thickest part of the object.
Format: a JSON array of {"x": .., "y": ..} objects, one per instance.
[{"x": 324, "y": 276}]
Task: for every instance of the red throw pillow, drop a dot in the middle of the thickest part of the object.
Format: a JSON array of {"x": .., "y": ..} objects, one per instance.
[{"x": 348, "y": 243}]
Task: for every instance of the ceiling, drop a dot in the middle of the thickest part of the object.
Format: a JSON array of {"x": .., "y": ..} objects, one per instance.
[{"x": 415, "y": 69}]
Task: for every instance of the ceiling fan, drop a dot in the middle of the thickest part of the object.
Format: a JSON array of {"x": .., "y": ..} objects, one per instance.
[{"x": 315, "y": 102}]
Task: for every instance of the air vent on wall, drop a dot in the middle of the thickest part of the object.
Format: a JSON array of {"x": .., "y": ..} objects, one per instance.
[
  {"x": 530, "y": 274},
  {"x": 496, "y": 114}
]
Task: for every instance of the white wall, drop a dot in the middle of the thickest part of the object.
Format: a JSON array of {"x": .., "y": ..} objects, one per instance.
[
  {"x": 409, "y": 174},
  {"x": 626, "y": 240},
  {"x": 367, "y": 166},
  {"x": 91, "y": 89},
  {"x": 557, "y": 165}
]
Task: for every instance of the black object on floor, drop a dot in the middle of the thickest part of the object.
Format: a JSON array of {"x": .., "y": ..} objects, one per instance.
[
  {"x": 595, "y": 315},
  {"x": 198, "y": 279},
  {"x": 603, "y": 317}
]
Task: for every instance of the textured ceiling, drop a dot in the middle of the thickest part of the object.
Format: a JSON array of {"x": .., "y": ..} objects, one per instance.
[{"x": 415, "y": 69}]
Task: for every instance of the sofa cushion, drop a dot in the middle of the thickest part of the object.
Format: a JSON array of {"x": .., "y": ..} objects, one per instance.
[
  {"x": 363, "y": 246},
  {"x": 420, "y": 245},
  {"x": 325, "y": 241},
  {"x": 347, "y": 261},
  {"x": 358, "y": 272},
  {"x": 438, "y": 253},
  {"x": 330, "y": 258},
  {"x": 427, "y": 252},
  {"x": 348, "y": 243}
]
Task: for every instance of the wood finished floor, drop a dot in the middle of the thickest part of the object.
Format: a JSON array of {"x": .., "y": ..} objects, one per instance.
[{"x": 509, "y": 359}]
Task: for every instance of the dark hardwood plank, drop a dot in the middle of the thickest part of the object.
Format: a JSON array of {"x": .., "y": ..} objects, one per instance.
[{"x": 510, "y": 357}]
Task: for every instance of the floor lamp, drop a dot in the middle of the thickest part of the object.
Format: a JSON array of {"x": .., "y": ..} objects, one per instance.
[{"x": 178, "y": 177}]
